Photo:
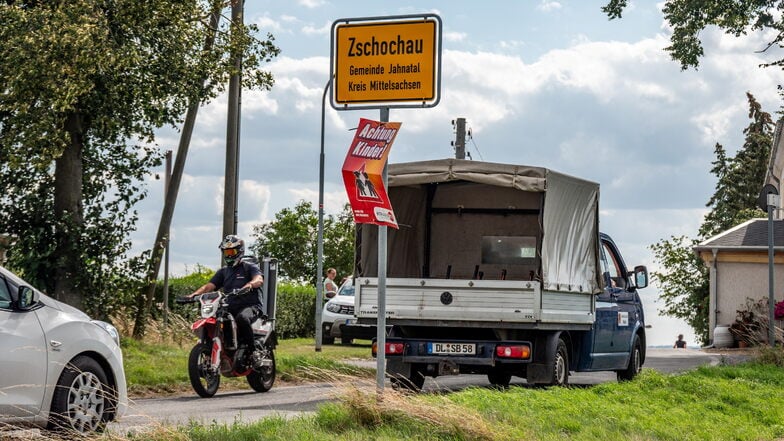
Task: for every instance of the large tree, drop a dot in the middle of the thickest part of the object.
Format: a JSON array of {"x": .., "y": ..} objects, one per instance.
[
  {"x": 683, "y": 279},
  {"x": 292, "y": 238},
  {"x": 740, "y": 179},
  {"x": 84, "y": 84},
  {"x": 735, "y": 17}
]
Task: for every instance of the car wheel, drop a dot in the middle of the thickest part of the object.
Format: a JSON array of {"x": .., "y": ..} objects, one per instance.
[
  {"x": 262, "y": 380},
  {"x": 635, "y": 362},
  {"x": 345, "y": 341},
  {"x": 327, "y": 340},
  {"x": 82, "y": 398},
  {"x": 204, "y": 381}
]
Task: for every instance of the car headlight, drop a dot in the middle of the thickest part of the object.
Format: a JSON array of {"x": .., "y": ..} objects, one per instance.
[
  {"x": 333, "y": 307},
  {"x": 111, "y": 330}
]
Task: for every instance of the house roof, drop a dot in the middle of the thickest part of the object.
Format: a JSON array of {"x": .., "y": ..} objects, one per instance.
[{"x": 750, "y": 235}]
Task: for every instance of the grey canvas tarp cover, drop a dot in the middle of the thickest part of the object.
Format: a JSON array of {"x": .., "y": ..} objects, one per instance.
[{"x": 561, "y": 210}]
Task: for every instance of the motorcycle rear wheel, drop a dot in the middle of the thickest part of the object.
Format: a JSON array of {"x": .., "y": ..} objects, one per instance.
[
  {"x": 262, "y": 381},
  {"x": 204, "y": 382}
]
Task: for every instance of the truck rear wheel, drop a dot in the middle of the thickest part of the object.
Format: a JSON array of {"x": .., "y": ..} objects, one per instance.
[
  {"x": 561, "y": 365},
  {"x": 635, "y": 362}
]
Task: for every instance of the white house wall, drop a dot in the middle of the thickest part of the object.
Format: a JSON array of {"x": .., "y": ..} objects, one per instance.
[{"x": 737, "y": 282}]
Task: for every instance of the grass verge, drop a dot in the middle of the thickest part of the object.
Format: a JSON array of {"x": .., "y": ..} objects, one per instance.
[
  {"x": 741, "y": 402},
  {"x": 162, "y": 368}
]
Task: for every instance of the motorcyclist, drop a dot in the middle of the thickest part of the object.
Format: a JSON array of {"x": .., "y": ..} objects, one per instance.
[{"x": 236, "y": 275}]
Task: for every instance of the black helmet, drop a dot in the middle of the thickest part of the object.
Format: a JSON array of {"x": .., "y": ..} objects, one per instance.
[{"x": 233, "y": 248}]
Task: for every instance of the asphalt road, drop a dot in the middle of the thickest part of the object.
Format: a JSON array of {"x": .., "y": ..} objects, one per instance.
[{"x": 288, "y": 401}]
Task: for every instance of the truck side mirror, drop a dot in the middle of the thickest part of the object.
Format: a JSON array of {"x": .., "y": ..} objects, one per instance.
[{"x": 641, "y": 276}]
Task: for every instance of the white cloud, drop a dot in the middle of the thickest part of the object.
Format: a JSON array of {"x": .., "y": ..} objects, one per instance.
[
  {"x": 268, "y": 24},
  {"x": 549, "y": 6},
  {"x": 254, "y": 201},
  {"x": 312, "y": 4},
  {"x": 455, "y": 36},
  {"x": 511, "y": 44},
  {"x": 312, "y": 30}
]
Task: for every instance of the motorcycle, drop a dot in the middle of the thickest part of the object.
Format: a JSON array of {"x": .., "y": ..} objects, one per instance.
[{"x": 216, "y": 352}]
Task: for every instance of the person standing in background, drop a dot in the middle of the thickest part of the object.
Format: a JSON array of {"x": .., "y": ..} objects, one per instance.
[
  {"x": 330, "y": 288},
  {"x": 680, "y": 343}
]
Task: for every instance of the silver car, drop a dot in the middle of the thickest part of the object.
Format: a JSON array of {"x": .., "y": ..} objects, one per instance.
[
  {"x": 338, "y": 321},
  {"x": 60, "y": 369}
]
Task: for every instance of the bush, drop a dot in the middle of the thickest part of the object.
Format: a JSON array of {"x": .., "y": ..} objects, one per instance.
[
  {"x": 295, "y": 311},
  {"x": 751, "y": 324},
  {"x": 295, "y": 308},
  {"x": 178, "y": 287}
]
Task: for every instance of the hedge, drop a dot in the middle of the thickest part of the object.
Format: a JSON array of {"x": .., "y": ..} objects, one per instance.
[{"x": 295, "y": 309}]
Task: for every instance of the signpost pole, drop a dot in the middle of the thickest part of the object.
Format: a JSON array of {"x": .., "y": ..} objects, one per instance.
[
  {"x": 320, "y": 257},
  {"x": 381, "y": 321},
  {"x": 772, "y": 205}
]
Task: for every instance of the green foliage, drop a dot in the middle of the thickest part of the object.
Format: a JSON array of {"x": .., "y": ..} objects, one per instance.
[
  {"x": 85, "y": 84},
  {"x": 689, "y": 18},
  {"x": 740, "y": 179},
  {"x": 295, "y": 307},
  {"x": 178, "y": 287},
  {"x": 293, "y": 239},
  {"x": 295, "y": 311},
  {"x": 684, "y": 283}
]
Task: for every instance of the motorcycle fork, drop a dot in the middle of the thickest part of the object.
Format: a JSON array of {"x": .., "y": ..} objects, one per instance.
[
  {"x": 217, "y": 349},
  {"x": 232, "y": 330}
]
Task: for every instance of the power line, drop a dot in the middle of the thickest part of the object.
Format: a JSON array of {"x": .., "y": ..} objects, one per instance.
[{"x": 471, "y": 138}]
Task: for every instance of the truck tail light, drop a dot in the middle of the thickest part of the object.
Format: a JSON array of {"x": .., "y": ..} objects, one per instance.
[
  {"x": 393, "y": 348},
  {"x": 389, "y": 349},
  {"x": 513, "y": 351}
]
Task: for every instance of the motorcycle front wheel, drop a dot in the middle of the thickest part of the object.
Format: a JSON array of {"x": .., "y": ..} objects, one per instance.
[
  {"x": 204, "y": 381},
  {"x": 262, "y": 380}
]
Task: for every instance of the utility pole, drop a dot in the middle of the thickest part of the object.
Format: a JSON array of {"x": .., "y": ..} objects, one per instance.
[
  {"x": 460, "y": 134},
  {"x": 166, "y": 180},
  {"x": 233, "y": 130}
]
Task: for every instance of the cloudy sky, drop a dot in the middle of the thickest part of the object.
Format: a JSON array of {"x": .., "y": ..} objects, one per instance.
[{"x": 545, "y": 83}]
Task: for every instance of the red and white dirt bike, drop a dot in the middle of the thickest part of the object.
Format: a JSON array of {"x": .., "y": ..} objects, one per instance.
[{"x": 214, "y": 354}]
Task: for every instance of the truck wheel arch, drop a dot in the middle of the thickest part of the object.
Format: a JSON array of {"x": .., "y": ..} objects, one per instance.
[{"x": 544, "y": 351}]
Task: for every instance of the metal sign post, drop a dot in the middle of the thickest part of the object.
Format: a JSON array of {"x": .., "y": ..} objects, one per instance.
[
  {"x": 320, "y": 257},
  {"x": 381, "y": 320},
  {"x": 769, "y": 201},
  {"x": 773, "y": 203}
]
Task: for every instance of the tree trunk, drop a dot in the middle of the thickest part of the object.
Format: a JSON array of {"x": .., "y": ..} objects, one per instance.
[{"x": 68, "y": 208}]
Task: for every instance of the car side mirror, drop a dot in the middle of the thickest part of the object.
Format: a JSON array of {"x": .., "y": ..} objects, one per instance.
[
  {"x": 28, "y": 298},
  {"x": 641, "y": 276}
]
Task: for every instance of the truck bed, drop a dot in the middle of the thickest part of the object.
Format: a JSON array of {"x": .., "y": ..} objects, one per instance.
[{"x": 497, "y": 301}]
